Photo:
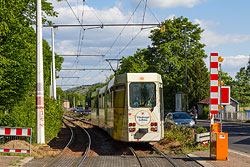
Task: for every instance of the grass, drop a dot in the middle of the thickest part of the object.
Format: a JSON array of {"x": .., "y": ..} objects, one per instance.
[
  {"x": 13, "y": 163},
  {"x": 181, "y": 140}
]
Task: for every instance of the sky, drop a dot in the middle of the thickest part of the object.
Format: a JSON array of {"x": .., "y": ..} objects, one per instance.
[{"x": 225, "y": 22}]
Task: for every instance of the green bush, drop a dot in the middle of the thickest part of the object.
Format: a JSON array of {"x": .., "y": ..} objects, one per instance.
[
  {"x": 201, "y": 129},
  {"x": 53, "y": 118},
  {"x": 24, "y": 115},
  {"x": 181, "y": 134},
  {"x": 181, "y": 139},
  {"x": 205, "y": 113}
]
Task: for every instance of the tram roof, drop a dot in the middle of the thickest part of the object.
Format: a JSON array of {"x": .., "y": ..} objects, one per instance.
[
  {"x": 102, "y": 90},
  {"x": 138, "y": 77}
]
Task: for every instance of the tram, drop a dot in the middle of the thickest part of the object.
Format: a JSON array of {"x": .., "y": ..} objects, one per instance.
[{"x": 130, "y": 107}]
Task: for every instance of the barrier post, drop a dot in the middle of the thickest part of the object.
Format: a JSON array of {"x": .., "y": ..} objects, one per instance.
[
  {"x": 17, "y": 134},
  {"x": 218, "y": 139}
]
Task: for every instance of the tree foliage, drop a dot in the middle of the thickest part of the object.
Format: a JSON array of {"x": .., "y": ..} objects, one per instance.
[
  {"x": 18, "y": 67},
  {"x": 166, "y": 56},
  {"x": 18, "y": 50}
]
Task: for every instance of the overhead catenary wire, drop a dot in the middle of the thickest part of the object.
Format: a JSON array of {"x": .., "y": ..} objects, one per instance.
[
  {"x": 146, "y": 7},
  {"x": 134, "y": 37},
  {"x": 144, "y": 13},
  {"x": 118, "y": 34},
  {"x": 125, "y": 25},
  {"x": 120, "y": 52},
  {"x": 82, "y": 36},
  {"x": 77, "y": 18},
  {"x": 151, "y": 12}
]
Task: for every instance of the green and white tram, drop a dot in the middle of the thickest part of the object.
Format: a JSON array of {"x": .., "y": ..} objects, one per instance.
[{"x": 130, "y": 107}]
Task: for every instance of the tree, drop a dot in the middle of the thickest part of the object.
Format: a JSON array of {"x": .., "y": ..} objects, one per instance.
[
  {"x": 241, "y": 87},
  {"x": 198, "y": 81},
  {"x": 133, "y": 64},
  {"x": 227, "y": 79},
  {"x": 166, "y": 56},
  {"x": 18, "y": 49}
]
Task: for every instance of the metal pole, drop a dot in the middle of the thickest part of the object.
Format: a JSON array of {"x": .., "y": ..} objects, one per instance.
[
  {"x": 220, "y": 101},
  {"x": 74, "y": 102},
  {"x": 51, "y": 81},
  {"x": 59, "y": 99},
  {"x": 53, "y": 64},
  {"x": 30, "y": 140},
  {"x": 186, "y": 70},
  {"x": 39, "y": 77}
]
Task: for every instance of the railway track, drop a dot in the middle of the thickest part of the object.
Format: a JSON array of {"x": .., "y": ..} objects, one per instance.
[
  {"x": 152, "y": 160},
  {"x": 143, "y": 155},
  {"x": 60, "y": 159}
]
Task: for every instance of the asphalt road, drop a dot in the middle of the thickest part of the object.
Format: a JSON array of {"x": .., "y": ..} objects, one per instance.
[{"x": 238, "y": 134}]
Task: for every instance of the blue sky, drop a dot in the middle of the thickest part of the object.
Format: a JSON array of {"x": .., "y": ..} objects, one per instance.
[{"x": 226, "y": 24}]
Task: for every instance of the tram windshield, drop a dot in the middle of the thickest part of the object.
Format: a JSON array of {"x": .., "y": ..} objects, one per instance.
[{"x": 142, "y": 94}]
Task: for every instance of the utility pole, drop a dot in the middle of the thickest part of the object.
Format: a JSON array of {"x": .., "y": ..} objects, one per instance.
[
  {"x": 186, "y": 101},
  {"x": 53, "y": 64},
  {"x": 39, "y": 77},
  {"x": 74, "y": 102},
  {"x": 51, "y": 81},
  {"x": 59, "y": 99}
]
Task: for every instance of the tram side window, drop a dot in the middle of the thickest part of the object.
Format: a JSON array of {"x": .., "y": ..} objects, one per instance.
[{"x": 142, "y": 94}]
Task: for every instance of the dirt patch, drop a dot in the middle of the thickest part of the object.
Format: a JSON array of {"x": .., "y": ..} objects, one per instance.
[
  {"x": 36, "y": 150},
  {"x": 102, "y": 143}
]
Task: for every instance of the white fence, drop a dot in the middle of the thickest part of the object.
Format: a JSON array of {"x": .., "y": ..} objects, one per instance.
[{"x": 243, "y": 116}]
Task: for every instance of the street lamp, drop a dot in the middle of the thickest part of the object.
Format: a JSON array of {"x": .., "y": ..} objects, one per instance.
[{"x": 186, "y": 101}]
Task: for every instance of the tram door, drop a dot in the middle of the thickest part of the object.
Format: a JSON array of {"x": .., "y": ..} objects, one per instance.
[{"x": 119, "y": 104}]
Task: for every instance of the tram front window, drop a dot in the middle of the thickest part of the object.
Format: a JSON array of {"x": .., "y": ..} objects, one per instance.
[{"x": 142, "y": 94}]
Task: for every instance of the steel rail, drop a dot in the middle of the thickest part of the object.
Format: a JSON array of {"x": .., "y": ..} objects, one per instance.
[
  {"x": 89, "y": 145},
  {"x": 65, "y": 148},
  {"x": 135, "y": 155},
  {"x": 132, "y": 150},
  {"x": 169, "y": 159}
]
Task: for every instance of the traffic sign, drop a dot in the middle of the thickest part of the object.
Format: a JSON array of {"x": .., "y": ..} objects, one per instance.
[{"x": 225, "y": 95}]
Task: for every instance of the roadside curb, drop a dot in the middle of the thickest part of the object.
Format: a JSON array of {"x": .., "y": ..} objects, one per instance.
[
  {"x": 199, "y": 160},
  {"x": 239, "y": 152},
  {"x": 22, "y": 162},
  {"x": 235, "y": 122}
]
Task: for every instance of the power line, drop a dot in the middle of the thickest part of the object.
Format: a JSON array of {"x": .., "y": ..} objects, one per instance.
[
  {"x": 68, "y": 85},
  {"x": 67, "y": 77},
  {"x": 82, "y": 55},
  {"x": 86, "y": 69},
  {"x": 124, "y": 25},
  {"x": 143, "y": 17},
  {"x": 151, "y": 12},
  {"x": 73, "y": 11}
]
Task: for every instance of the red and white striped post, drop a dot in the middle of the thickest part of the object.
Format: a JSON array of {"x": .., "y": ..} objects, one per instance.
[{"x": 214, "y": 93}]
